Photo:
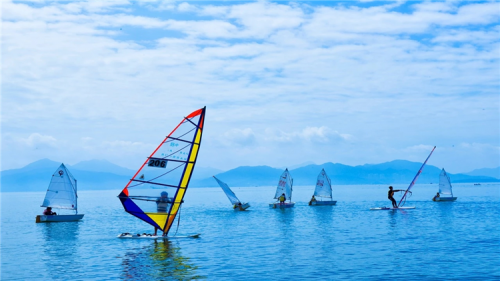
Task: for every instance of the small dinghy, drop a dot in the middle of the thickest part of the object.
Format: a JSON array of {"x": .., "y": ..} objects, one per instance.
[
  {"x": 237, "y": 205},
  {"x": 323, "y": 190},
  {"x": 284, "y": 192},
  {"x": 61, "y": 194},
  {"x": 445, "y": 192}
]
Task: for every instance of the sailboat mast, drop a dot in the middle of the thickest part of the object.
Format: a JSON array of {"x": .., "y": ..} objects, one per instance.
[
  {"x": 416, "y": 177},
  {"x": 76, "y": 196}
]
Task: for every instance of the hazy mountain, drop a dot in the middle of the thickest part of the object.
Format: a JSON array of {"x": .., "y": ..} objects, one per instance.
[
  {"x": 101, "y": 174},
  {"x": 488, "y": 172}
]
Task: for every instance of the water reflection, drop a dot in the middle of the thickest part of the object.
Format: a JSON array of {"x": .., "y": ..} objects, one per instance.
[
  {"x": 161, "y": 260},
  {"x": 60, "y": 248}
]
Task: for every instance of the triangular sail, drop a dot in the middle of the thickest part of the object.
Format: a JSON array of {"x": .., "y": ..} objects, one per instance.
[
  {"x": 61, "y": 193},
  {"x": 284, "y": 186},
  {"x": 156, "y": 191},
  {"x": 230, "y": 194},
  {"x": 323, "y": 186},
  {"x": 445, "y": 184},
  {"x": 416, "y": 177}
]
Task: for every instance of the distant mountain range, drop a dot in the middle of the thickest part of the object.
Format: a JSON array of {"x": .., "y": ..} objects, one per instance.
[{"x": 101, "y": 174}]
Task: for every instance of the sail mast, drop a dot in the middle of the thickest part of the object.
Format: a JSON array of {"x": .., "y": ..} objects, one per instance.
[{"x": 416, "y": 177}]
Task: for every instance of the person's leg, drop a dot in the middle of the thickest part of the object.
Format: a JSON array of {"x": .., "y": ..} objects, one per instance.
[{"x": 394, "y": 204}]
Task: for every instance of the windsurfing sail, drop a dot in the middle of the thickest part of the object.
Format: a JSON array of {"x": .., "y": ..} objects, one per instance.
[
  {"x": 284, "y": 186},
  {"x": 445, "y": 184},
  {"x": 62, "y": 192},
  {"x": 323, "y": 186},
  {"x": 230, "y": 194},
  {"x": 166, "y": 171},
  {"x": 415, "y": 178}
]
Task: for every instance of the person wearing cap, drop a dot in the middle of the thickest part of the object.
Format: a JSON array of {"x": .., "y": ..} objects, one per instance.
[
  {"x": 162, "y": 205},
  {"x": 48, "y": 212}
]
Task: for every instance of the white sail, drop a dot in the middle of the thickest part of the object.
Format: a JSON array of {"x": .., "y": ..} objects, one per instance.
[
  {"x": 230, "y": 194},
  {"x": 61, "y": 193},
  {"x": 445, "y": 185},
  {"x": 284, "y": 186},
  {"x": 323, "y": 186}
]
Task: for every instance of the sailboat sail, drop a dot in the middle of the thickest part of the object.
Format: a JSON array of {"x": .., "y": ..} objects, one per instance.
[
  {"x": 415, "y": 178},
  {"x": 165, "y": 172},
  {"x": 284, "y": 186},
  {"x": 323, "y": 186},
  {"x": 444, "y": 184},
  {"x": 230, "y": 194},
  {"x": 61, "y": 193}
]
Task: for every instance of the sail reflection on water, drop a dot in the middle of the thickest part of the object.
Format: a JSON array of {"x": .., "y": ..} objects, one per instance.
[{"x": 161, "y": 260}]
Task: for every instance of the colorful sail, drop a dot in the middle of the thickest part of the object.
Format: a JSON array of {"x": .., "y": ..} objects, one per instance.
[
  {"x": 416, "y": 177},
  {"x": 323, "y": 186},
  {"x": 61, "y": 193},
  {"x": 165, "y": 172},
  {"x": 284, "y": 186},
  {"x": 445, "y": 184},
  {"x": 230, "y": 194}
]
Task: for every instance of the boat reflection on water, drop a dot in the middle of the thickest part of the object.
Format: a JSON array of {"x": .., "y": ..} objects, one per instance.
[
  {"x": 161, "y": 260},
  {"x": 60, "y": 248}
]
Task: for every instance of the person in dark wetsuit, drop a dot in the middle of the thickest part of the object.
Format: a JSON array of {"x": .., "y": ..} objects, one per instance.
[{"x": 390, "y": 194}]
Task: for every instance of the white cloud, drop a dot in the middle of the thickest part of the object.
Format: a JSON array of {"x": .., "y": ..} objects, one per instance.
[
  {"x": 285, "y": 77},
  {"x": 37, "y": 141}
]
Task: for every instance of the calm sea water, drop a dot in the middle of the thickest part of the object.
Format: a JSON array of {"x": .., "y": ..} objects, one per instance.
[{"x": 459, "y": 240}]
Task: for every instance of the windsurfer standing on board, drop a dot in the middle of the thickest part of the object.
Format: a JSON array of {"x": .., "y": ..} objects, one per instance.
[
  {"x": 161, "y": 205},
  {"x": 390, "y": 194}
]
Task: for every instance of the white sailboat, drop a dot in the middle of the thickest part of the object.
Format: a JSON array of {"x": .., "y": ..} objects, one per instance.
[
  {"x": 323, "y": 191},
  {"x": 445, "y": 193},
  {"x": 284, "y": 192},
  {"x": 61, "y": 194},
  {"x": 237, "y": 205}
]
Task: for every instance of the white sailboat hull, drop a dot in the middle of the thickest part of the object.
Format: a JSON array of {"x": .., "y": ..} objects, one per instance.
[
  {"x": 444, "y": 199},
  {"x": 59, "y": 218},
  {"x": 278, "y": 205},
  {"x": 243, "y": 207},
  {"x": 322, "y": 203}
]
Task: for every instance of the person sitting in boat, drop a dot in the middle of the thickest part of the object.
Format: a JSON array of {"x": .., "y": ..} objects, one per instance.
[
  {"x": 313, "y": 199},
  {"x": 238, "y": 206},
  {"x": 162, "y": 205},
  {"x": 282, "y": 198},
  {"x": 436, "y": 197},
  {"x": 390, "y": 194},
  {"x": 48, "y": 212}
]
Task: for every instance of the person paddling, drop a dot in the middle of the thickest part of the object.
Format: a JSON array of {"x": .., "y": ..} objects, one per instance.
[{"x": 390, "y": 194}]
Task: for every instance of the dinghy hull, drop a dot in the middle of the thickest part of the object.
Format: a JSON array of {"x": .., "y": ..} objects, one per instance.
[
  {"x": 322, "y": 203},
  {"x": 59, "y": 218},
  {"x": 444, "y": 199},
  {"x": 277, "y": 205},
  {"x": 243, "y": 207}
]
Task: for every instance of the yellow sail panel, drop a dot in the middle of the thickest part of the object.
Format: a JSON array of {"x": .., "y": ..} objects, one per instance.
[
  {"x": 159, "y": 218},
  {"x": 186, "y": 177},
  {"x": 194, "y": 153}
]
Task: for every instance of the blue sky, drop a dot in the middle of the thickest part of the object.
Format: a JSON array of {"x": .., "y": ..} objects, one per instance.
[{"x": 284, "y": 82}]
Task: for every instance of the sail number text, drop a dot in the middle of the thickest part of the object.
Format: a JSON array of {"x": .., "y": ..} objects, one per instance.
[{"x": 157, "y": 163}]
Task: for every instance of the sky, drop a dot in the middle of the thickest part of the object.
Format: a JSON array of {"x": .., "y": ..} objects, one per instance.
[{"x": 284, "y": 82}]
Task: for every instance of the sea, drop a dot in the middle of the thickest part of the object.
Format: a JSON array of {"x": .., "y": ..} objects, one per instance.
[{"x": 435, "y": 241}]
